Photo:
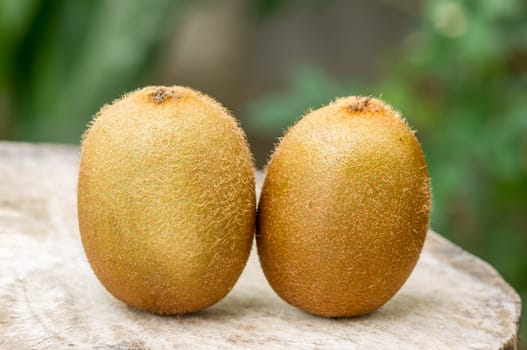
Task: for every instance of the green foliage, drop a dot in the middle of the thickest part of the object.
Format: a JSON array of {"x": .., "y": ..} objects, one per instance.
[
  {"x": 61, "y": 60},
  {"x": 265, "y": 8},
  {"x": 462, "y": 82},
  {"x": 310, "y": 88}
]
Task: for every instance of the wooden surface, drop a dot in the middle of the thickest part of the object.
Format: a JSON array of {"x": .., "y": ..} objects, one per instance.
[{"x": 50, "y": 299}]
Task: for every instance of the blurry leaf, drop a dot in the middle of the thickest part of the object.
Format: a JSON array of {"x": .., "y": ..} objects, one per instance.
[
  {"x": 77, "y": 54},
  {"x": 266, "y": 8},
  {"x": 15, "y": 18},
  {"x": 309, "y": 88}
]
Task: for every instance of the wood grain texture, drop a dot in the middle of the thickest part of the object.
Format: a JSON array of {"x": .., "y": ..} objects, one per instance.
[{"x": 50, "y": 299}]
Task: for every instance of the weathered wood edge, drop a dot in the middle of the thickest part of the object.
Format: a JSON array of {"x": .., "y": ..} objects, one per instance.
[{"x": 463, "y": 260}]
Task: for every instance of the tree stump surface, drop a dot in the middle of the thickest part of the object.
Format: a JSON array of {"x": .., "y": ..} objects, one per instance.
[{"x": 50, "y": 298}]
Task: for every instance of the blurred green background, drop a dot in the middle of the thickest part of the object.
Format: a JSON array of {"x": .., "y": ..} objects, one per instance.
[{"x": 456, "y": 69}]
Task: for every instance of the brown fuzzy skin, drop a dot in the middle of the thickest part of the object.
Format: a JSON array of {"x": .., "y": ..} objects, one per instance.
[
  {"x": 344, "y": 209},
  {"x": 166, "y": 199}
]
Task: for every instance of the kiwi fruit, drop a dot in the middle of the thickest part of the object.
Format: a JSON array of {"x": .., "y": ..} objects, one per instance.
[
  {"x": 344, "y": 208},
  {"x": 166, "y": 199}
]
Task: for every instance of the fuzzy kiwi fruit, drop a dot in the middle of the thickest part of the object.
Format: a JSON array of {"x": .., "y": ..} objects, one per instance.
[
  {"x": 344, "y": 208},
  {"x": 166, "y": 199}
]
